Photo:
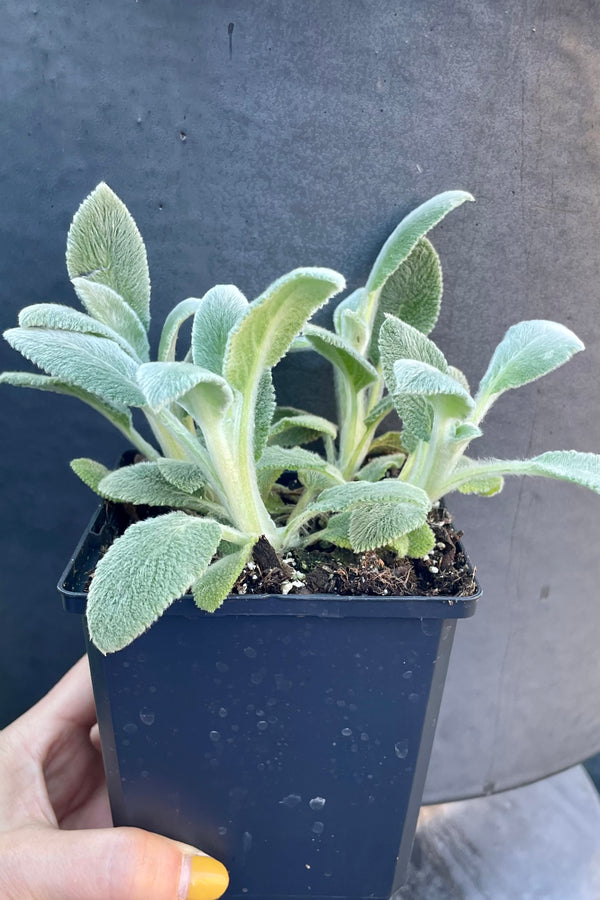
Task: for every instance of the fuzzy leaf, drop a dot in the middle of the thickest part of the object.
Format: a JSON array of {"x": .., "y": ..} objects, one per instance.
[
  {"x": 399, "y": 340},
  {"x": 353, "y": 303},
  {"x": 420, "y": 541},
  {"x": 213, "y": 586},
  {"x": 337, "y": 531},
  {"x": 265, "y": 333},
  {"x": 378, "y": 467},
  {"x": 466, "y": 431},
  {"x": 389, "y": 442},
  {"x": 459, "y": 376},
  {"x": 142, "y": 483},
  {"x": 105, "y": 246},
  {"x": 90, "y": 472},
  {"x": 413, "y": 293},
  {"x": 63, "y": 318},
  {"x": 409, "y": 232},
  {"x": 185, "y": 476},
  {"x": 379, "y": 412},
  {"x": 173, "y": 322},
  {"x": 400, "y": 545},
  {"x": 84, "y": 360},
  {"x": 528, "y": 350},
  {"x": 355, "y": 368},
  {"x": 118, "y": 414},
  {"x": 374, "y": 525},
  {"x": 355, "y": 493},
  {"x": 276, "y": 460},
  {"x": 299, "y": 428},
  {"x": 263, "y": 414},
  {"x": 567, "y": 465},
  {"x": 163, "y": 382},
  {"x": 220, "y": 310},
  {"x": 143, "y": 572},
  {"x": 419, "y": 379},
  {"x": 484, "y": 485},
  {"x": 108, "y": 307}
]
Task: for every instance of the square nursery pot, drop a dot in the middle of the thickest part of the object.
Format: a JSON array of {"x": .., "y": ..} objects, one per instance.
[{"x": 288, "y": 736}]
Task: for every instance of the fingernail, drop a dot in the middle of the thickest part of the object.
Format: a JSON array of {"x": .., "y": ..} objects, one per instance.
[{"x": 202, "y": 878}]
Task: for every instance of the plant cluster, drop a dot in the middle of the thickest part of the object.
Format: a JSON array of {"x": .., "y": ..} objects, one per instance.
[{"x": 224, "y": 443}]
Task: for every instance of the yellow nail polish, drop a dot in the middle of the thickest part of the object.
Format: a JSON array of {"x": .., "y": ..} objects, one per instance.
[{"x": 208, "y": 879}]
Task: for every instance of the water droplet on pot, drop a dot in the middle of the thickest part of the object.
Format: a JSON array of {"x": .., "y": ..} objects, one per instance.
[
  {"x": 317, "y": 802},
  {"x": 246, "y": 841},
  {"x": 222, "y": 829},
  {"x": 271, "y": 720},
  {"x": 214, "y": 736},
  {"x": 144, "y": 773},
  {"x": 221, "y": 667},
  {"x": 130, "y": 728},
  {"x": 364, "y": 736},
  {"x": 147, "y": 716},
  {"x": 250, "y": 652},
  {"x": 346, "y": 732},
  {"x": 262, "y": 725},
  {"x": 257, "y": 677},
  {"x": 340, "y": 703},
  {"x": 401, "y": 749},
  {"x": 413, "y": 698},
  {"x": 223, "y": 712},
  {"x": 408, "y": 674},
  {"x": 318, "y": 828},
  {"x": 260, "y": 713},
  {"x": 291, "y": 800}
]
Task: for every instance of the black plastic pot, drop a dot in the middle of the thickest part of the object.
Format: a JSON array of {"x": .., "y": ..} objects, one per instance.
[{"x": 289, "y": 737}]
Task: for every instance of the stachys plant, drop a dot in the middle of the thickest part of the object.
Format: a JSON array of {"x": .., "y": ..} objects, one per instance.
[{"x": 223, "y": 444}]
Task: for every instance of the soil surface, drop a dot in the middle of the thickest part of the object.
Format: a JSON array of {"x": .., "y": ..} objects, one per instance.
[{"x": 325, "y": 569}]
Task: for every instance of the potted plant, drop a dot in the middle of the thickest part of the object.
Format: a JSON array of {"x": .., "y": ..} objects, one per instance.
[{"x": 278, "y": 723}]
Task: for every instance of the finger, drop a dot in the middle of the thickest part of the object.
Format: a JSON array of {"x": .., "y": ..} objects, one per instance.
[
  {"x": 95, "y": 737},
  {"x": 110, "y": 864},
  {"x": 71, "y": 700}
]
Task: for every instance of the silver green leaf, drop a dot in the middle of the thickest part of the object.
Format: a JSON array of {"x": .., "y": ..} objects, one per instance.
[
  {"x": 413, "y": 293},
  {"x": 409, "y": 232},
  {"x": 419, "y": 379},
  {"x": 178, "y": 315},
  {"x": 379, "y": 412},
  {"x": 105, "y": 246},
  {"x": 64, "y": 318},
  {"x": 118, "y": 414},
  {"x": 276, "y": 460},
  {"x": 84, "y": 360},
  {"x": 528, "y": 350},
  {"x": 420, "y": 541},
  {"x": 108, "y": 307},
  {"x": 352, "y": 303},
  {"x": 336, "y": 532},
  {"x": 355, "y": 493},
  {"x": 163, "y": 382},
  {"x": 292, "y": 427},
  {"x": 143, "y": 572},
  {"x": 566, "y": 465},
  {"x": 388, "y": 442},
  {"x": 264, "y": 334},
  {"x": 186, "y": 476},
  {"x": 374, "y": 525},
  {"x": 378, "y": 467},
  {"x": 355, "y": 368},
  {"x": 399, "y": 340},
  {"x": 143, "y": 483},
  {"x": 214, "y": 585},
  {"x": 90, "y": 472},
  {"x": 263, "y": 413},
  {"x": 220, "y": 310}
]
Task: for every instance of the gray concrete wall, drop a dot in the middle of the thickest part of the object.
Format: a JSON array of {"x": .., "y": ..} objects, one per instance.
[{"x": 303, "y": 140}]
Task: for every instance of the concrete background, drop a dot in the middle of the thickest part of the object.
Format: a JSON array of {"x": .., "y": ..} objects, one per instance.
[{"x": 248, "y": 139}]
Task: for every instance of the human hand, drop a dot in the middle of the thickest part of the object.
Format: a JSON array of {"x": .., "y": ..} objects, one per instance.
[{"x": 56, "y": 842}]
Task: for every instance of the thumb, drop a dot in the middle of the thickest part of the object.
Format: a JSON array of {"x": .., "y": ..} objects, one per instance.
[{"x": 105, "y": 864}]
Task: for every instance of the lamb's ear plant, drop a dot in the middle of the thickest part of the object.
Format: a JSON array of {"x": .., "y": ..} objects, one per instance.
[{"x": 223, "y": 443}]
